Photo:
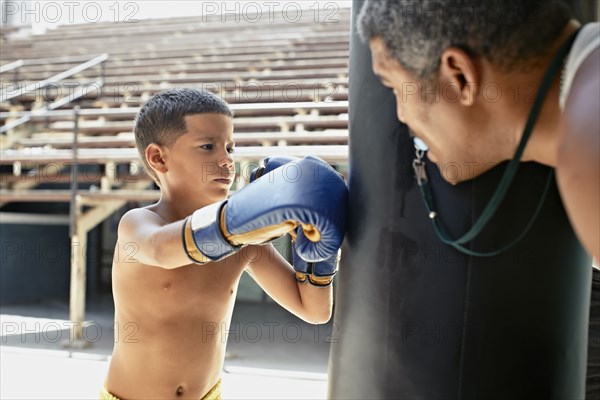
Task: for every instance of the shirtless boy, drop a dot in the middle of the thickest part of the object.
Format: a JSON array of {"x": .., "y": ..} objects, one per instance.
[{"x": 192, "y": 246}]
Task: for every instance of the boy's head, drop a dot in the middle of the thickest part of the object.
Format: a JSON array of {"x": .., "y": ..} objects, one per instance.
[
  {"x": 181, "y": 132},
  {"x": 446, "y": 60}
]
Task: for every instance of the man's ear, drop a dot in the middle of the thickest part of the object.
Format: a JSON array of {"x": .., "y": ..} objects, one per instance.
[
  {"x": 459, "y": 69},
  {"x": 156, "y": 155}
]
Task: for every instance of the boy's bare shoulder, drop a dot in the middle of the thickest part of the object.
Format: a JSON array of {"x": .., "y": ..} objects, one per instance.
[{"x": 138, "y": 219}]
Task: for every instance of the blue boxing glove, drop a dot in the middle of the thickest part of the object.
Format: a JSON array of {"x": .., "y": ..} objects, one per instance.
[
  {"x": 269, "y": 164},
  {"x": 270, "y": 207},
  {"x": 316, "y": 272},
  {"x": 319, "y": 273}
]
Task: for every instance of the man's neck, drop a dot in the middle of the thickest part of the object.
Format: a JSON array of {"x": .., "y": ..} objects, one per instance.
[{"x": 543, "y": 143}]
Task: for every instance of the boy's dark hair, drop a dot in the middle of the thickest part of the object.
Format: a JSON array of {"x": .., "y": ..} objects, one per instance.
[
  {"x": 162, "y": 119},
  {"x": 509, "y": 33}
]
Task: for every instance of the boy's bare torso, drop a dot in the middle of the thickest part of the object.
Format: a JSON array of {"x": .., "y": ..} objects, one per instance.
[{"x": 170, "y": 326}]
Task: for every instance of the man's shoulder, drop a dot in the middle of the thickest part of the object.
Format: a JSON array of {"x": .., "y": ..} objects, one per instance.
[
  {"x": 580, "y": 111},
  {"x": 584, "y": 49}
]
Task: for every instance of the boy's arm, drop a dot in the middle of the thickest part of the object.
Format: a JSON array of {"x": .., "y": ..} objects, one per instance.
[
  {"x": 578, "y": 161},
  {"x": 154, "y": 242},
  {"x": 258, "y": 213},
  {"x": 278, "y": 279}
]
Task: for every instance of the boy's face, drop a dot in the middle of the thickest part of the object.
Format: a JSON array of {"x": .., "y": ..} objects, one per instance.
[{"x": 201, "y": 162}]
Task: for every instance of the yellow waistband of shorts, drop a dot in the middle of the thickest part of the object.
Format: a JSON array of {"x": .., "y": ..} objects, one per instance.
[
  {"x": 106, "y": 395},
  {"x": 213, "y": 394}
]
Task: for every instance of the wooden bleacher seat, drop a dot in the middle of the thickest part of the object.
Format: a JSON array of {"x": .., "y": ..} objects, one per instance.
[
  {"x": 330, "y": 136},
  {"x": 241, "y": 124},
  {"x": 334, "y": 153},
  {"x": 192, "y": 67},
  {"x": 239, "y": 109},
  {"x": 62, "y": 63}
]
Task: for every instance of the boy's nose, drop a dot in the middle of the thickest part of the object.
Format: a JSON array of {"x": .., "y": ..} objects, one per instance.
[{"x": 226, "y": 160}]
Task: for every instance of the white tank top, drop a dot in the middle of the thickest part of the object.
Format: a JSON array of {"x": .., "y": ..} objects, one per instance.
[{"x": 585, "y": 43}]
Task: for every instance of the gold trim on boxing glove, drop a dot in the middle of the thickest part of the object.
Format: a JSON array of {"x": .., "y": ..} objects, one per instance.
[
  {"x": 301, "y": 277},
  {"x": 320, "y": 280},
  {"x": 189, "y": 245},
  {"x": 257, "y": 236},
  {"x": 311, "y": 232}
]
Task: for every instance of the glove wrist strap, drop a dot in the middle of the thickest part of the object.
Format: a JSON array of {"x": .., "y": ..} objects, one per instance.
[
  {"x": 305, "y": 271},
  {"x": 189, "y": 245},
  {"x": 202, "y": 235},
  {"x": 314, "y": 280}
]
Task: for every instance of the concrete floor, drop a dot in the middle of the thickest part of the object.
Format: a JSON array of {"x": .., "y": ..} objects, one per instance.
[{"x": 270, "y": 353}]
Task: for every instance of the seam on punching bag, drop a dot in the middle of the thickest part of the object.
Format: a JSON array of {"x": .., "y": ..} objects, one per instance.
[
  {"x": 464, "y": 329},
  {"x": 467, "y": 294},
  {"x": 387, "y": 351},
  {"x": 404, "y": 178}
]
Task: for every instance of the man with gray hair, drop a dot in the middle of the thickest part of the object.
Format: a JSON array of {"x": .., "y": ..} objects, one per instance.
[{"x": 482, "y": 82}]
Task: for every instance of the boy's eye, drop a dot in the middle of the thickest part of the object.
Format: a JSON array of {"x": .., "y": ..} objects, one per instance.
[{"x": 207, "y": 146}]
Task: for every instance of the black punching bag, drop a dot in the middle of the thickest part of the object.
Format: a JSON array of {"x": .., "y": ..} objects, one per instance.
[{"x": 416, "y": 319}]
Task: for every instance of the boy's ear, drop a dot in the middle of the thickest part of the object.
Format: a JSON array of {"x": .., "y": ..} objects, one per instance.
[
  {"x": 156, "y": 156},
  {"x": 459, "y": 69}
]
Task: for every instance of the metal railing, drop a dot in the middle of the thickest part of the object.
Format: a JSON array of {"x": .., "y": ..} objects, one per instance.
[
  {"x": 101, "y": 59},
  {"x": 58, "y": 77},
  {"x": 44, "y": 111},
  {"x": 13, "y": 66}
]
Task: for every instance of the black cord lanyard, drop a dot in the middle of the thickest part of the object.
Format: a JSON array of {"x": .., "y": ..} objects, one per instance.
[{"x": 506, "y": 180}]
